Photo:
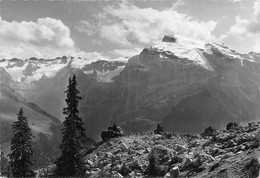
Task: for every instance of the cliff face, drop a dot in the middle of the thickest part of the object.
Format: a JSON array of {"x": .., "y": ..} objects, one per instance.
[
  {"x": 188, "y": 89},
  {"x": 186, "y": 85}
]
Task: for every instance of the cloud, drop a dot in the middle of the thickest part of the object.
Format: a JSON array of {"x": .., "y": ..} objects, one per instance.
[
  {"x": 127, "y": 25},
  {"x": 126, "y": 52},
  {"x": 245, "y": 31},
  {"x": 45, "y": 38},
  {"x": 86, "y": 27}
]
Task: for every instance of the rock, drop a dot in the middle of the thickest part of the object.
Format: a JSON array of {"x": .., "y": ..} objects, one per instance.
[
  {"x": 124, "y": 170},
  {"x": 124, "y": 147},
  {"x": 108, "y": 155},
  {"x": 254, "y": 144},
  {"x": 117, "y": 157},
  {"x": 117, "y": 174},
  {"x": 147, "y": 150},
  {"x": 136, "y": 142},
  {"x": 187, "y": 162},
  {"x": 157, "y": 137},
  {"x": 94, "y": 157},
  {"x": 167, "y": 175},
  {"x": 107, "y": 167},
  {"x": 174, "y": 172},
  {"x": 177, "y": 159},
  {"x": 212, "y": 168},
  {"x": 161, "y": 153},
  {"x": 170, "y": 39},
  {"x": 206, "y": 158},
  {"x": 90, "y": 163},
  {"x": 253, "y": 167},
  {"x": 215, "y": 152},
  {"x": 223, "y": 137},
  {"x": 87, "y": 173},
  {"x": 135, "y": 165},
  {"x": 158, "y": 158},
  {"x": 180, "y": 149},
  {"x": 227, "y": 155},
  {"x": 196, "y": 163}
]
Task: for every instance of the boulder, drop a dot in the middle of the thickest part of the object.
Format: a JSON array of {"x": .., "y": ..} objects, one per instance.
[
  {"x": 117, "y": 174},
  {"x": 124, "y": 147},
  {"x": 169, "y": 39},
  {"x": 181, "y": 149},
  {"x": 173, "y": 173},
  {"x": 159, "y": 158}
]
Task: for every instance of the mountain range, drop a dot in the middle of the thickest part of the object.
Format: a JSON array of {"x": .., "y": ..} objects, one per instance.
[{"x": 184, "y": 84}]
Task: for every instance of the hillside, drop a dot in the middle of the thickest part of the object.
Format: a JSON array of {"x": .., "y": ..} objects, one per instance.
[
  {"x": 10, "y": 102},
  {"x": 214, "y": 153}
]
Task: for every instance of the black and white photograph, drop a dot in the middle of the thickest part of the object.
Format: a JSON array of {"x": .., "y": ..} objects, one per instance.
[{"x": 130, "y": 88}]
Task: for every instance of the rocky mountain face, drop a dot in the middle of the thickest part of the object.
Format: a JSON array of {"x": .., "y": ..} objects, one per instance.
[
  {"x": 232, "y": 152},
  {"x": 185, "y": 85}
]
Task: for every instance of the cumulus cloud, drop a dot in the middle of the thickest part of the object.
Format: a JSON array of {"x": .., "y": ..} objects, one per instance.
[
  {"x": 134, "y": 25},
  {"x": 246, "y": 31},
  {"x": 86, "y": 27},
  {"x": 45, "y": 38},
  {"x": 129, "y": 26}
]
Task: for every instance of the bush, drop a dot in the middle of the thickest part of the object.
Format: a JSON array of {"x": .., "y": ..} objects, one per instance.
[
  {"x": 209, "y": 132},
  {"x": 124, "y": 170},
  {"x": 158, "y": 158},
  {"x": 112, "y": 132},
  {"x": 232, "y": 126},
  {"x": 159, "y": 129},
  {"x": 152, "y": 166}
]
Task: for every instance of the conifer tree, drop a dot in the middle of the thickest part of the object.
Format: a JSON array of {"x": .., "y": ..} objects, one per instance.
[
  {"x": 21, "y": 148},
  {"x": 70, "y": 162}
]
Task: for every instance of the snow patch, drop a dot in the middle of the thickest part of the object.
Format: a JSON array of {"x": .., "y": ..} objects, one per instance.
[
  {"x": 186, "y": 49},
  {"x": 225, "y": 50},
  {"x": 109, "y": 75},
  {"x": 79, "y": 63},
  {"x": 46, "y": 69},
  {"x": 15, "y": 72}
]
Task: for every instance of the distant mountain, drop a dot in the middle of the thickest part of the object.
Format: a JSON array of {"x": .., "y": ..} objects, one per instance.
[
  {"x": 182, "y": 83},
  {"x": 10, "y": 103}
]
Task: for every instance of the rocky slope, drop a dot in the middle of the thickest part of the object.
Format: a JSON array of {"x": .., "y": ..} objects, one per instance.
[
  {"x": 214, "y": 153},
  {"x": 184, "y": 84}
]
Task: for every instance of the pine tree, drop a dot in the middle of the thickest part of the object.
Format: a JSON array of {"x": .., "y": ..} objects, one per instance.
[
  {"x": 4, "y": 163},
  {"x": 70, "y": 162},
  {"x": 21, "y": 148},
  {"x": 159, "y": 129}
]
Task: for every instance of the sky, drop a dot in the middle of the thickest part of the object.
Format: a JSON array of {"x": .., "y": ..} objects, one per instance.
[{"x": 111, "y": 28}]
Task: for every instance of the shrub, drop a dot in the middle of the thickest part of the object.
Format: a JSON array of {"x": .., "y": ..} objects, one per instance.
[
  {"x": 209, "y": 132},
  {"x": 159, "y": 129},
  {"x": 124, "y": 170},
  {"x": 158, "y": 158},
  {"x": 232, "y": 125},
  {"x": 112, "y": 132}
]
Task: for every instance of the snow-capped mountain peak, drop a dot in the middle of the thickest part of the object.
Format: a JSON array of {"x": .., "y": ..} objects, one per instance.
[
  {"x": 194, "y": 50},
  {"x": 29, "y": 70}
]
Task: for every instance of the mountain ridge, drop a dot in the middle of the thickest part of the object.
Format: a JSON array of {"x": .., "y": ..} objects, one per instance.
[{"x": 155, "y": 86}]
